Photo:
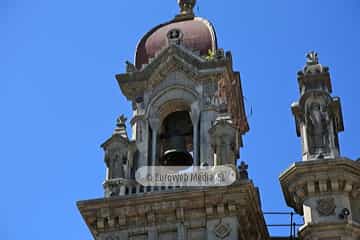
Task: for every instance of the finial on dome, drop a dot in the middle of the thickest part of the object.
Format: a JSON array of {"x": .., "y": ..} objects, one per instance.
[{"x": 186, "y": 7}]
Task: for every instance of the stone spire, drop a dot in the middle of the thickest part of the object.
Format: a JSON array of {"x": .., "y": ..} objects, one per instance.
[
  {"x": 186, "y": 8},
  {"x": 317, "y": 114}
]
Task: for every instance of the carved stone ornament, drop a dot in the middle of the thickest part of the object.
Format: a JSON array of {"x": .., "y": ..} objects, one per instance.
[
  {"x": 175, "y": 36},
  {"x": 222, "y": 230},
  {"x": 312, "y": 58},
  {"x": 326, "y": 206},
  {"x": 120, "y": 121}
]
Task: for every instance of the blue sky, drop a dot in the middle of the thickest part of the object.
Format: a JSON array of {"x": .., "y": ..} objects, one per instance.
[{"x": 59, "y": 98}]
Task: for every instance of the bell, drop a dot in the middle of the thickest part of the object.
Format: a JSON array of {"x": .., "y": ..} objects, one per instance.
[{"x": 175, "y": 153}]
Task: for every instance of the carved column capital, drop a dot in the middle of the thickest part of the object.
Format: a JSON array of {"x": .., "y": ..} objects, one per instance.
[{"x": 154, "y": 122}]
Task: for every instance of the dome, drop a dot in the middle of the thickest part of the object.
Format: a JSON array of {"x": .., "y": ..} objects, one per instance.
[{"x": 198, "y": 34}]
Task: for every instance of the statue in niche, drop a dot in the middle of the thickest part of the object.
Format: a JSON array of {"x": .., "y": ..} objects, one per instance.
[
  {"x": 317, "y": 120},
  {"x": 117, "y": 165}
]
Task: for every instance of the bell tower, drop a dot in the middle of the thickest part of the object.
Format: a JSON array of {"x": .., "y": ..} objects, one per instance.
[
  {"x": 324, "y": 187},
  {"x": 188, "y": 110}
]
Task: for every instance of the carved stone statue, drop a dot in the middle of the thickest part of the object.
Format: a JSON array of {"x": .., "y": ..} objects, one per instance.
[
  {"x": 120, "y": 121},
  {"x": 317, "y": 128},
  {"x": 312, "y": 58},
  {"x": 117, "y": 164},
  {"x": 312, "y": 64}
]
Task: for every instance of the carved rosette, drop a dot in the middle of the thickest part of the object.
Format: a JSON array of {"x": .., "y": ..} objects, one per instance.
[{"x": 326, "y": 206}]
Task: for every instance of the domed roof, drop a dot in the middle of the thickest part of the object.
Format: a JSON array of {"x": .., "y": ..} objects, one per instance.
[{"x": 198, "y": 34}]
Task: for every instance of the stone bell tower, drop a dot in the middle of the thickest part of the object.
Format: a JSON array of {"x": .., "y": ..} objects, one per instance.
[
  {"x": 324, "y": 187},
  {"x": 188, "y": 110}
]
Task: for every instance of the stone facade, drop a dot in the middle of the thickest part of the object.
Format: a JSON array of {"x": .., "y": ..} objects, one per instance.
[
  {"x": 188, "y": 110},
  {"x": 209, "y": 213}
]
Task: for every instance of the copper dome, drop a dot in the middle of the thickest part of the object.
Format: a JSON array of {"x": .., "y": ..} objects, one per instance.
[{"x": 198, "y": 34}]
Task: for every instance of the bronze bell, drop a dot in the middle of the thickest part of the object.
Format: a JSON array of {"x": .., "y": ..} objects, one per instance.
[
  {"x": 175, "y": 152},
  {"x": 176, "y": 139}
]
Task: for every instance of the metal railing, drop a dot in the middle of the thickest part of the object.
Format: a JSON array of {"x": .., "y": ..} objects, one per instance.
[{"x": 292, "y": 225}]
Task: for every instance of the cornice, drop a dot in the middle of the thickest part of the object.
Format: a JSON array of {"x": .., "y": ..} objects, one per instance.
[
  {"x": 318, "y": 177},
  {"x": 116, "y": 213}
]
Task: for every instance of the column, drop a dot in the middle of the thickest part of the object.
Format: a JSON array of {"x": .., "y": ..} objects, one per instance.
[
  {"x": 207, "y": 118},
  {"x": 196, "y": 144},
  {"x": 195, "y": 116},
  {"x": 130, "y": 161},
  {"x": 155, "y": 126}
]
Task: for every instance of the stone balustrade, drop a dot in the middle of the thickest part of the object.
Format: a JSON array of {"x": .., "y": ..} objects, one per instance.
[{"x": 124, "y": 187}]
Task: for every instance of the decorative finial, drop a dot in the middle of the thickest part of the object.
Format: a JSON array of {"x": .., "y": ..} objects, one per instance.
[
  {"x": 243, "y": 170},
  {"x": 312, "y": 58},
  {"x": 120, "y": 121},
  {"x": 121, "y": 126},
  {"x": 186, "y": 7}
]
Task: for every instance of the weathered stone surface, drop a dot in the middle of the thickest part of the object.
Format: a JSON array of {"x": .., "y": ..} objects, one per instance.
[{"x": 175, "y": 213}]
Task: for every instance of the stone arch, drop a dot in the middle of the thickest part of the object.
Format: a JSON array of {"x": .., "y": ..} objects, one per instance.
[
  {"x": 171, "y": 100},
  {"x": 179, "y": 95}
]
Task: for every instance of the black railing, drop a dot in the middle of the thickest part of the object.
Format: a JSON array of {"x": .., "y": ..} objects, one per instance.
[{"x": 292, "y": 225}]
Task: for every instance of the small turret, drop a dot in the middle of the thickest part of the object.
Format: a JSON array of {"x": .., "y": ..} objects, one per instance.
[
  {"x": 317, "y": 115},
  {"x": 119, "y": 153},
  {"x": 323, "y": 186}
]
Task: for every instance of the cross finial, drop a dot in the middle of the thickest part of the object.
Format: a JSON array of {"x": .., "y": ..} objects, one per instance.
[{"x": 186, "y": 6}]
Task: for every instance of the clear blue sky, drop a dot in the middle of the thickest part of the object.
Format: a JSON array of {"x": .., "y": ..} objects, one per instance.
[{"x": 59, "y": 98}]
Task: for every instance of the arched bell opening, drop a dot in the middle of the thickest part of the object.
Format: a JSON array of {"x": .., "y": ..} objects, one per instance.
[{"x": 176, "y": 139}]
